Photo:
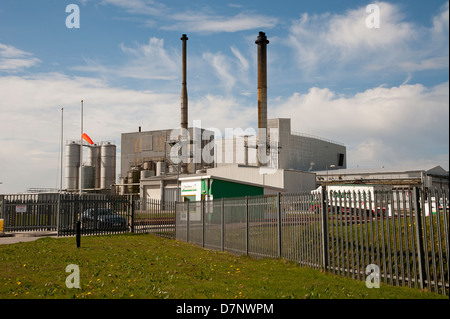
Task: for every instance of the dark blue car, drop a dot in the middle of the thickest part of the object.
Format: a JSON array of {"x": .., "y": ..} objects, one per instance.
[{"x": 102, "y": 219}]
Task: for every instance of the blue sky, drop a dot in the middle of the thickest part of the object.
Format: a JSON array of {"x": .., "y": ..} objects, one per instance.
[{"x": 383, "y": 92}]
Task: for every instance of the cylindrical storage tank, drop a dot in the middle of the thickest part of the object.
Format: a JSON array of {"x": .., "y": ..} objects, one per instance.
[
  {"x": 95, "y": 162},
  {"x": 88, "y": 177},
  {"x": 160, "y": 168},
  {"x": 122, "y": 187},
  {"x": 108, "y": 165},
  {"x": 147, "y": 173},
  {"x": 133, "y": 178},
  {"x": 72, "y": 165}
]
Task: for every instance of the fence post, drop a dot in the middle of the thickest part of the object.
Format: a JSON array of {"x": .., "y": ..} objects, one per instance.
[
  {"x": 58, "y": 212},
  {"x": 78, "y": 234},
  {"x": 132, "y": 213},
  {"x": 187, "y": 222},
  {"x": 202, "y": 209},
  {"x": 246, "y": 224},
  {"x": 324, "y": 227},
  {"x": 419, "y": 239},
  {"x": 175, "y": 219},
  {"x": 279, "y": 223},
  {"x": 222, "y": 221}
]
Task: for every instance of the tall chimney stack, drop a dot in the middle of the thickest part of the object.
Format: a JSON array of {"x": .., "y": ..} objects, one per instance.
[
  {"x": 262, "y": 42},
  {"x": 184, "y": 103},
  {"x": 184, "y": 96}
]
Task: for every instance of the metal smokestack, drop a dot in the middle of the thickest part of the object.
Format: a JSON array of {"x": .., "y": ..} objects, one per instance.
[
  {"x": 262, "y": 42},
  {"x": 184, "y": 96},
  {"x": 184, "y": 103}
]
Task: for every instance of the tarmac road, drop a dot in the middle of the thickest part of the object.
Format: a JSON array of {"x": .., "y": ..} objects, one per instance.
[{"x": 12, "y": 238}]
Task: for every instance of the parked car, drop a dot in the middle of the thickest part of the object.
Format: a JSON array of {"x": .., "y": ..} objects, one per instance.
[{"x": 102, "y": 219}]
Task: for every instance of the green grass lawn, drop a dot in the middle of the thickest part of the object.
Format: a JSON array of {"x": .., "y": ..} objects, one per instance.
[{"x": 146, "y": 266}]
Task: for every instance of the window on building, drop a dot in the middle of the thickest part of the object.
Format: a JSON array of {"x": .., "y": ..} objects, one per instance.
[{"x": 341, "y": 159}]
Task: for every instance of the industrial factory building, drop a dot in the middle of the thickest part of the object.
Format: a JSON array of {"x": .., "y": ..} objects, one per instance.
[
  {"x": 150, "y": 152},
  {"x": 271, "y": 160}
]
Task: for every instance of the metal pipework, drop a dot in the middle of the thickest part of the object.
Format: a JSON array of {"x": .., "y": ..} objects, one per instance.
[{"x": 262, "y": 42}]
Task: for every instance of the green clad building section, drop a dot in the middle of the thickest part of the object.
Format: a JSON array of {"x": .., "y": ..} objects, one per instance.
[
  {"x": 225, "y": 189},
  {"x": 211, "y": 187}
]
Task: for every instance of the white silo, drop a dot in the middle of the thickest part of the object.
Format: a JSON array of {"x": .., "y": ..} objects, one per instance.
[
  {"x": 88, "y": 177},
  {"x": 72, "y": 165},
  {"x": 95, "y": 162},
  {"x": 108, "y": 165}
]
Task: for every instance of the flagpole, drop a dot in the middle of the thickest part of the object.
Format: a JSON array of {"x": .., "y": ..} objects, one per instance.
[
  {"x": 81, "y": 150},
  {"x": 62, "y": 145}
]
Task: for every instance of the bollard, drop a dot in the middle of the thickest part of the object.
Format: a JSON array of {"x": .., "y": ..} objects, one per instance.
[{"x": 78, "y": 236}]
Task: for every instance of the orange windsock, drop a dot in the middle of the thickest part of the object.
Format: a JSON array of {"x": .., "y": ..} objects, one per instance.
[{"x": 87, "y": 138}]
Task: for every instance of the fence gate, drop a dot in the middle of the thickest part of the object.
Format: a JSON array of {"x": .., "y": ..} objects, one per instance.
[
  {"x": 30, "y": 212},
  {"x": 98, "y": 214}
]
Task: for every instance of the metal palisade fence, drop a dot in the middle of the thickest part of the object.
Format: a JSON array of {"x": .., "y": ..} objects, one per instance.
[
  {"x": 97, "y": 214},
  {"x": 401, "y": 233},
  {"x": 29, "y": 212},
  {"x": 153, "y": 216}
]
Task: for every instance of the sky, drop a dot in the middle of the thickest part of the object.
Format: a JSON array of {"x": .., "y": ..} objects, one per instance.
[{"x": 376, "y": 80}]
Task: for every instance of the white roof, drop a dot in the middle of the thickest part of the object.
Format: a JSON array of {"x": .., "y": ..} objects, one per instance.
[{"x": 437, "y": 170}]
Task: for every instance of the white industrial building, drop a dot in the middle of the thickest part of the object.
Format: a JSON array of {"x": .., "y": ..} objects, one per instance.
[{"x": 286, "y": 149}]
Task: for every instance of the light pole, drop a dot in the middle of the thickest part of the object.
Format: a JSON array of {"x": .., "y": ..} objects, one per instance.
[
  {"x": 81, "y": 150},
  {"x": 61, "y": 151}
]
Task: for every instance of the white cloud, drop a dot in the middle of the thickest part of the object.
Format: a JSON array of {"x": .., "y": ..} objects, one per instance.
[
  {"x": 190, "y": 21},
  {"x": 221, "y": 66},
  {"x": 407, "y": 122},
  {"x": 244, "y": 65},
  {"x": 143, "y": 61},
  {"x": 151, "y": 60},
  {"x": 333, "y": 41},
  {"x": 441, "y": 23},
  {"x": 13, "y": 59},
  {"x": 232, "y": 71},
  {"x": 147, "y": 7},
  {"x": 204, "y": 23},
  {"x": 221, "y": 112}
]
